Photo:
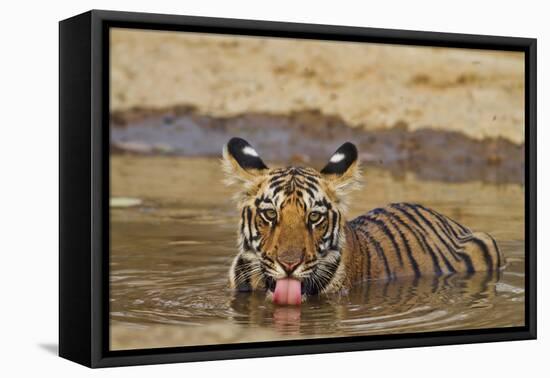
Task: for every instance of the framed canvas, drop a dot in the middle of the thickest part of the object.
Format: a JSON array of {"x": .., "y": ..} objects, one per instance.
[{"x": 234, "y": 188}]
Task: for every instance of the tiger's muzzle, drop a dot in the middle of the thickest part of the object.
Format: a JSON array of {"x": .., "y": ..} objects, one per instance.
[{"x": 290, "y": 260}]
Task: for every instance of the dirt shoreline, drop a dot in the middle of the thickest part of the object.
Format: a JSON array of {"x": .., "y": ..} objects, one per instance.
[
  {"x": 308, "y": 137},
  {"x": 370, "y": 86}
]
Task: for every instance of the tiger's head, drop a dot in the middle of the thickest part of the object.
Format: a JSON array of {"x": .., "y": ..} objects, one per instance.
[{"x": 291, "y": 232}]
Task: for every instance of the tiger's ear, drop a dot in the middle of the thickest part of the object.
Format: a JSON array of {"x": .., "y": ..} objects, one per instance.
[
  {"x": 342, "y": 170},
  {"x": 241, "y": 162}
]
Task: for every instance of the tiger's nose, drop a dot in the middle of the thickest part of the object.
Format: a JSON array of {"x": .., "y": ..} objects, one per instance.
[
  {"x": 290, "y": 262},
  {"x": 289, "y": 266}
]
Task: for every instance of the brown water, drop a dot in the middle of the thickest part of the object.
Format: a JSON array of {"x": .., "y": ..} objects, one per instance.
[{"x": 171, "y": 253}]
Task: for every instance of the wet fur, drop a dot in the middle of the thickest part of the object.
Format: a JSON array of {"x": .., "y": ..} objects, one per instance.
[{"x": 398, "y": 240}]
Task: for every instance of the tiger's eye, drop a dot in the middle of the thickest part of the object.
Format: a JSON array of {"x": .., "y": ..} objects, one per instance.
[
  {"x": 270, "y": 214},
  {"x": 314, "y": 217}
]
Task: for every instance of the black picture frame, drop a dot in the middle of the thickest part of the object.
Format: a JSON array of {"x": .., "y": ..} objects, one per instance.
[{"x": 84, "y": 187}]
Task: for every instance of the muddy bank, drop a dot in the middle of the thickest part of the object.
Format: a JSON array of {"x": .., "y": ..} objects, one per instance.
[
  {"x": 370, "y": 86},
  {"x": 309, "y": 138}
]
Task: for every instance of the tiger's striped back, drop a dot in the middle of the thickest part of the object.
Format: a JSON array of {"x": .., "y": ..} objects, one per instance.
[{"x": 405, "y": 239}]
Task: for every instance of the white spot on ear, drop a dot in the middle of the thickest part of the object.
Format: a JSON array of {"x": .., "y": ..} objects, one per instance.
[
  {"x": 336, "y": 158},
  {"x": 250, "y": 151}
]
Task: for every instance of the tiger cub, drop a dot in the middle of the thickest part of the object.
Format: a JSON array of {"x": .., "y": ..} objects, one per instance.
[{"x": 295, "y": 242}]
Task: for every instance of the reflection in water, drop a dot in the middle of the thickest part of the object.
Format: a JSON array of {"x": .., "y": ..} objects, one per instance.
[
  {"x": 170, "y": 257},
  {"x": 406, "y": 305}
]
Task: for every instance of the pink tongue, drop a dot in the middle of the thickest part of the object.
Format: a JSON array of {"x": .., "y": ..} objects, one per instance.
[{"x": 288, "y": 291}]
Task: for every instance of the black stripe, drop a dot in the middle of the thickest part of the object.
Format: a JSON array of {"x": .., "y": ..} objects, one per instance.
[
  {"x": 266, "y": 257},
  {"x": 447, "y": 221},
  {"x": 414, "y": 264},
  {"x": 486, "y": 255},
  {"x": 311, "y": 179},
  {"x": 307, "y": 184},
  {"x": 468, "y": 262},
  {"x": 497, "y": 251},
  {"x": 258, "y": 200},
  {"x": 355, "y": 226},
  {"x": 277, "y": 190},
  {"x": 249, "y": 221},
  {"x": 448, "y": 264},
  {"x": 326, "y": 204},
  {"x": 432, "y": 227},
  {"x": 278, "y": 176},
  {"x": 369, "y": 263},
  {"x": 390, "y": 236},
  {"x": 421, "y": 241},
  {"x": 455, "y": 243},
  {"x": 460, "y": 226},
  {"x": 445, "y": 228},
  {"x": 461, "y": 239},
  {"x": 275, "y": 183},
  {"x": 440, "y": 232},
  {"x": 399, "y": 206},
  {"x": 379, "y": 252},
  {"x": 333, "y": 232},
  {"x": 308, "y": 190}
]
